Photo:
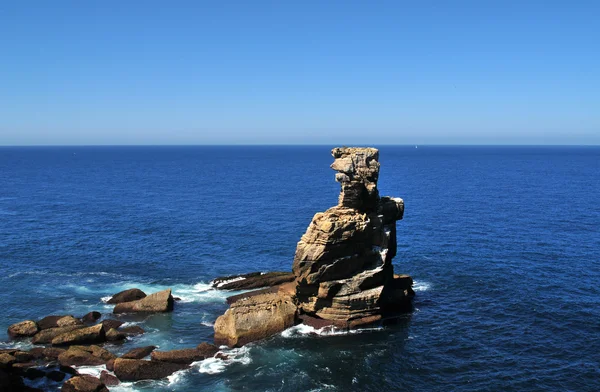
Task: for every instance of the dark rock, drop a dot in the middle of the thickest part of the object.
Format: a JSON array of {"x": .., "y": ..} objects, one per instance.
[
  {"x": 47, "y": 335},
  {"x": 207, "y": 349},
  {"x": 89, "y": 335},
  {"x": 49, "y": 322},
  {"x": 222, "y": 356},
  {"x": 176, "y": 299},
  {"x": 184, "y": 356},
  {"x": 10, "y": 382},
  {"x": 252, "y": 280},
  {"x": 56, "y": 375},
  {"x": 154, "y": 303},
  {"x": 53, "y": 352},
  {"x": 139, "y": 352},
  {"x": 23, "y": 329},
  {"x": 115, "y": 336},
  {"x": 85, "y": 356},
  {"x": 108, "y": 379},
  {"x": 91, "y": 317},
  {"x": 84, "y": 384},
  {"x": 24, "y": 356},
  {"x": 110, "y": 324},
  {"x": 7, "y": 360},
  {"x": 126, "y": 296},
  {"x": 67, "y": 370},
  {"x": 132, "y": 331},
  {"x": 33, "y": 373},
  {"x": 138, "y": 369},
  {"x": 110, "y": 365}
]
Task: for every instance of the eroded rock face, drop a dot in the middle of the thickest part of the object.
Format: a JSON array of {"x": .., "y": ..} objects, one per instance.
[
  {"x": 255, "y": 318},
  {"x": 343, "y": 263},
  {"x": 154, "y": 303}
]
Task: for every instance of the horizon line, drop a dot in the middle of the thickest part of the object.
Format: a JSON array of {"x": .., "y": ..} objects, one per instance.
[{"x": 302, "y": 145}]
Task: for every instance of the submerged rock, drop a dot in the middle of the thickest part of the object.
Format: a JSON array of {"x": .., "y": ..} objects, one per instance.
[
  {"x": 126, "y": 296},
  {"x": 252, "y": 280},
  {"x": 154, "y": 303},
  {"x": 138, "y": 369},
  {"x": 23, "y": 329}
]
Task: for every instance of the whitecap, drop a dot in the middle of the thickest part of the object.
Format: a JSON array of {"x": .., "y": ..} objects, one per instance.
[
  {"x": 421, "y": 286},
  {"x": 217, "y": 365},
  {"x": 91, "y": 370}
]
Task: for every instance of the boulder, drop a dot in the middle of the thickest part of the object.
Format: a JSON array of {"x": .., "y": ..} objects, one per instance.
[
  {"x": 49, "y": 322},
  {"x": 89, "y": 335},
  {"x": 154, "y": 303},
  {"x": 252, "y": 280},
  {"x": 10, "y": 382},
  {"x": 110, "y": 324},
  {"x": 45, "y": 336},
  {"x": 255, "y": 318},
  {"x": 91, "y": 317},
  {"x": 7, "y": 360},
  {"x": 85, "y": 356},
  {"x": 23, "y": 329},
  {"x": 126, "y": 296},
  {"x": 207, "y": 349},
  {"x": 108, "y": 379},
  {"x": 84, "y": 383},
  {"x": 183, "y": 356},
  {"x": 115, "y": 336},
  {"x": 138, "y": 369},
  {"x": 24, "y": 356},
  {"x": 68, "y": 321},
  {"x": 139, "y": 352}
]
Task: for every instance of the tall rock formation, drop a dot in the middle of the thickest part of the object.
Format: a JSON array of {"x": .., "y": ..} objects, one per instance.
[
  {"x": 343, "y": 263},
  {"x": 342, "y": 267}
]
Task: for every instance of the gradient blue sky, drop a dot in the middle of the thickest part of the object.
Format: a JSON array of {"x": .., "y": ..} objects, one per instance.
[{"x": 309, "y": 72}]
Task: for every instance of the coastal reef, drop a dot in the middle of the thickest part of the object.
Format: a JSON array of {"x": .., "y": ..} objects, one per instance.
[{"x": 342, "y": 270}]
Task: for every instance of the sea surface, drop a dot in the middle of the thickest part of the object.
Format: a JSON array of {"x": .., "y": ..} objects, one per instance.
[{"x": 503, "y": 244}]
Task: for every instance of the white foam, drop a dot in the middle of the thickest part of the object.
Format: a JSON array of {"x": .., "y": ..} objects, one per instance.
[
  {"x": 224, "y": 282},
  {"x": 91, "y": 370},
  {"x": 106, "y": 299},
  {"x": 304, "y": 330},
  {"x": 207, "y": 324},
  {"x": 218, "y": 365},
  {"x": 176, "y": 377},
  {"x": 421, "y": 286}
]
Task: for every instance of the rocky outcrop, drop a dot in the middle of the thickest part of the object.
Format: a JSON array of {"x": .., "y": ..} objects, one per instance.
[
  {"x": 91, "y": 317},
  {"x": 154, "y": 303},
  {"x": 252, "y": 280},
  {"x": 255, "y": 317},
  {"x": 343, "y": 263},
  {"x": 126, "y": 296},
  {"x": 138, "y": 369},
  {"x": 343, "y": 273},
  {"x": 23, "y": 329}
]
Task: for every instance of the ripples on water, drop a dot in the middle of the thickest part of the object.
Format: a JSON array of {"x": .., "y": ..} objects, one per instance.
[{"x": 503, "y": 245}]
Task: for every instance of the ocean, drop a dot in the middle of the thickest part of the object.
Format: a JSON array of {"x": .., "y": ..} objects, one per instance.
[{"x": 503, "y": 244}]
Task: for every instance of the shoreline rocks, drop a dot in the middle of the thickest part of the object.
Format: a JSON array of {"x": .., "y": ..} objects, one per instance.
[{"x": 253, "y": 280}]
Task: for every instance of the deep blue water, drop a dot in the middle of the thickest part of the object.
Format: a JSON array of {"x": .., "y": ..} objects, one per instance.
[{"x": 503, "y": 244}]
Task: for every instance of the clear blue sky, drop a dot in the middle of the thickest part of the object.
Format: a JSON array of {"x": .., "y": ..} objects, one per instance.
[{"x": 310, "y": 72}]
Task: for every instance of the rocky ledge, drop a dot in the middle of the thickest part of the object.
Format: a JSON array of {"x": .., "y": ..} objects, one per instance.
[{"x": 342, "y": 271}]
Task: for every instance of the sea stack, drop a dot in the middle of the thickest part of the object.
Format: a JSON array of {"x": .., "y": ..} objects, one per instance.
[{"x": 343, "y": 273}]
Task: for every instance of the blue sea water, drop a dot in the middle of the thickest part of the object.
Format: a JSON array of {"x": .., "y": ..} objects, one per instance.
[{"x": 503, "y": 244}]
